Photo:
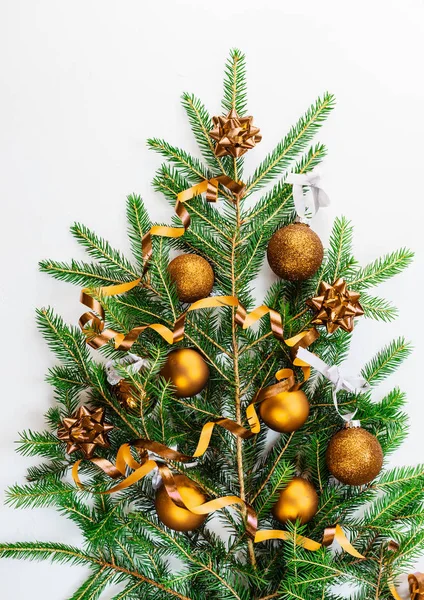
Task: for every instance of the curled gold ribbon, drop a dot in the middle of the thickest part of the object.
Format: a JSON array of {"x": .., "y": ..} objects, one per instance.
[
  {"x": 415, "y": 580},
  {"x": 330, "y": 534}
]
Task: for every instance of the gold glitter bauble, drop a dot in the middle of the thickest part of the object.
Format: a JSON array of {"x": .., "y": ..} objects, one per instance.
[
  {"x": 354, "y": 456},
  {"x": 175, "y": 517},
  {"x": 298, "y": 500},
  {"x": 193, "y": 277},
  {"x": 295, "y": 252},
  {"x": 285, "y": 412},
  {"x": 187, "y": 371}
]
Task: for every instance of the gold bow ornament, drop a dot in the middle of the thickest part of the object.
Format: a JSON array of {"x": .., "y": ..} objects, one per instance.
[{"x": 335, "y": 306}]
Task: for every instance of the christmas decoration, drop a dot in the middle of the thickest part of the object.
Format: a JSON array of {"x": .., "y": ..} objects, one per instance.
[
  {"x": 129, "y": 396},
  {"x": 175, "y": 517},
  {"x": 85, "y": 431},
  {"x": 354, "y": 456},
  {"x": 187, "y": 371},
  {"x": 295, "y": 252},
  {"x": 298, "y": 500},
  {"x": 193, "y": 277},
  {"x": 307, "y": 205},
  {"x": 234, "y": 135},
  {"x": 336, "y": 306},
  {"x": 285, "y": 412}
]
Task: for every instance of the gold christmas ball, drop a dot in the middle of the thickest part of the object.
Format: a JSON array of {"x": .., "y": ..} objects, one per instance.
[
  {"x": 175, "y": 517},
  {"x": 354, "y": 456},
  {"x": 193, "y": 277},
  {"x": 295, "y": 252},
  {"x": 187, "y": 371},
  {"x": 298, "y": 500},
  {"x": 285, "y": 412}
]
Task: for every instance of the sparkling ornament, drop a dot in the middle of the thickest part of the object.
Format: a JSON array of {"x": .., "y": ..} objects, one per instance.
[
  {"x": 129, "y": 397},
  {"x": 295, "y": 252},
  {"x": 354, "y": 456},
  {"x": 285, "y": 412},
  {"x": 175, "y": 517},
  {"x": 234, "y": 135},
  {"x": 86, "y": 430},
  {"x": 298, "y": 500},
  {"x": 336, "y": 306},
  {"x": 192, "y": 275},
  {"x": 187, "y": 371}
]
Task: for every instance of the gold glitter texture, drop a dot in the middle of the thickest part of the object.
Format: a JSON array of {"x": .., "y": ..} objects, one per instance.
[
  {"x": 298, "y": 500},
  {"x": 193, "y": 277},
  {"x": 354, "y": 456},
  {"x": 295, "y": 252},
  {"x": 187, "y": 371}
]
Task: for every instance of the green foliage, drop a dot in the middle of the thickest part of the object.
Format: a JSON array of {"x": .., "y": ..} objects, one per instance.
[{"x": 124, "y": 542}]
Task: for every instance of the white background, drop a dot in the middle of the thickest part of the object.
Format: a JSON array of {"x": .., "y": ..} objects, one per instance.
[{"x": 84, "y": 83}]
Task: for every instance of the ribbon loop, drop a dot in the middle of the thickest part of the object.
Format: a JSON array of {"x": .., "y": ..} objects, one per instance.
[{"x": 307, "y": 205}]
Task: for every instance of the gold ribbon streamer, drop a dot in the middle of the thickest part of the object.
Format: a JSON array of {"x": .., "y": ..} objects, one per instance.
[
  {"x": 415, "y": 580},
  {"x": 330, "y": 534}
]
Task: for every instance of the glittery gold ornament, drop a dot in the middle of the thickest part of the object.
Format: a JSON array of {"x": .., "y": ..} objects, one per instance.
[
  {"x": 234, "y": 135},
  {"x": 285, "y": 412},
  {"x": 175, "y": 517},
  {"x": 85, "y": 430},
  {"x": 298, "y": 500},
  {"x": 129, "y": 397},
  {"x": 193, "y": 277},
  {"x": 336, "y": 306},
  {"x": 354, "y": 456},
  {"x": 295, "y": 252},
  {"x": 187, "y": 371}
]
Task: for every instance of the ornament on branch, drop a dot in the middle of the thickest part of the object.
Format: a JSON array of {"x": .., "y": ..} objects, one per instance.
[
  {"x": 307, "y": 205},
  {"x": 127, "y": 394},
  {"x": 85, "y": 430},
  {"x": 234, "y": 135},
  {"x": 336, "y": 306},
  {"x": 187, "y": 371},
  {"x": 174, "y": 516},
  {"x": 193, "y": 277},
  {"x": 295, "y": 252},
  {"x": 285, "y": 412},
  {"x": 298, "y": 500},
  {"x": 354, "y": 456}
]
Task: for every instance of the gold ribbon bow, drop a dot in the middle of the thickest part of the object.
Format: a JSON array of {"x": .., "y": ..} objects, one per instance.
[{"x": 336, "y": 306}]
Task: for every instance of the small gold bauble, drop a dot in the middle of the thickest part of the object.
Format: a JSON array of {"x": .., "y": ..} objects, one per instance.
[
  {"x": 295, "y": 252},
  {"x": 285, "y": 412},
  {"x": 187, "y": 371},
  {"x": 298, "y": 500},
  {"x": 193, "y": 277},
  {"x": 354, "y": 456},
  {"x": 175, "y": 517}
]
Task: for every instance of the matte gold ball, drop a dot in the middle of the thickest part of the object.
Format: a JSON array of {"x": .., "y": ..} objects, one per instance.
[
  {"x": 298, "y": 500},
  {"x": 193, "y": 277},
  {"x": 295, "y": 252},
  {"x": 354, "y": 456},
  {"x": 187, "y": 371},
  {"x": 285, "y": 412},
  {"x": 175, "y": 517}
]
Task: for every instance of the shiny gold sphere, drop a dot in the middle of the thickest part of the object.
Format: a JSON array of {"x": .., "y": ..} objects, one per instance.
[
  {"x": 285, "y": 412},
  {"x": 295, "y": 252},
  {"x": 298, "y": 500},
  {"x": 354, "y": 456},
  {"x": 175, "y": 517},
  {"x": 187, "y": 371},
  {"x": 193, "y": 277}
]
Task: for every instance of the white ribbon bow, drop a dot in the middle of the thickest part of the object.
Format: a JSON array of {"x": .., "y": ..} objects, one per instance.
[
  {"x": 313, "y": 201},
  {"x": 132, "y": 360},
  {"x": 355, "y": 384}
]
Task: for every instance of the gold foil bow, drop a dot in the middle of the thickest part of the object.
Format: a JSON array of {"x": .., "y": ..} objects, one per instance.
[
  {"x": 234, "y": 135},
  {"x": 85, "y": 430},
  {"x": 336, "y": 306}
]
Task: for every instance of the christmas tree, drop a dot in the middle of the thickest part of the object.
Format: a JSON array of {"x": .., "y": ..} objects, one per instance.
[{"x": 243, "y": 513}]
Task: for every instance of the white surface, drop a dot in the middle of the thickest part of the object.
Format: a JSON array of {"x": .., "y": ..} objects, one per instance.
[{"x": 84, "y": 84}]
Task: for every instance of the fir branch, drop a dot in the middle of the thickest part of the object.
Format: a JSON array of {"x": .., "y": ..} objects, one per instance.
[
  {"x": 378, "y": 308},
  {"x": 138, "y": 224},
  {"x": 386, "y": 361},
  {"x": 235, "y": 86},
  {"x": 381, "y": 269},
  {"x": 190, "y": 167}
]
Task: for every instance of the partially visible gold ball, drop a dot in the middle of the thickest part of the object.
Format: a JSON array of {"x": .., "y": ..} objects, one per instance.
[
  {"x": 175, "y": 517},
  {"x": 187, "y": 371},
  {"x": 295, "y": 252},
  {"x": 298, "y": 500},
  {"x": 193, "y": 277},
  {"x": 354, "y": 456},
  {"x": 285, "y": 412}
]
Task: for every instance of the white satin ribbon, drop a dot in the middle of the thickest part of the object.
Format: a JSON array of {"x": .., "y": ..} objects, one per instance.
[
  {"x": 356, "y": 384},
  {"x": 132, "y": 360},
  {"x": 307, "y": 205}
]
